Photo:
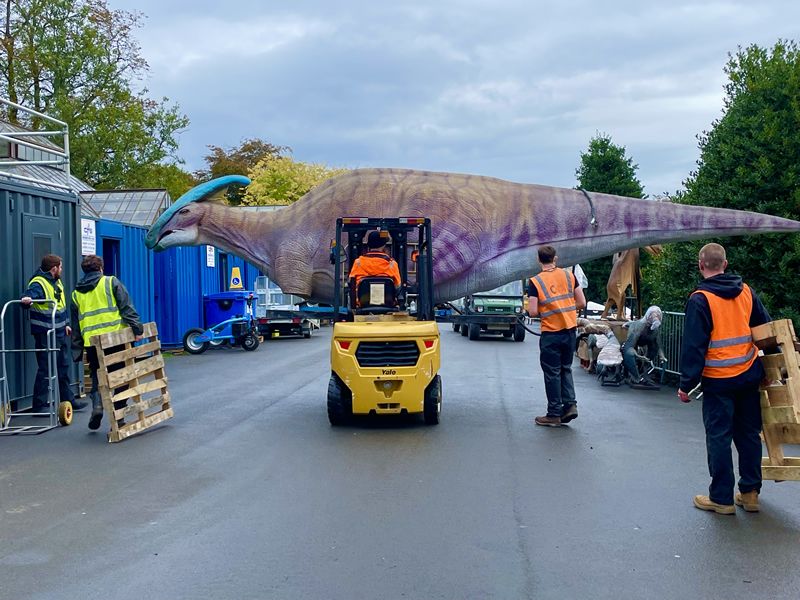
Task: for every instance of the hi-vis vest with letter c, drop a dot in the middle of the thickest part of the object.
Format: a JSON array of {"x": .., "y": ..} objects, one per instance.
[
  {"x": 42, "y": 312},
  {"x": 731, "y": 350},
  {"x": 97, "y": 310},
  {"x": 556, "y": 298}
]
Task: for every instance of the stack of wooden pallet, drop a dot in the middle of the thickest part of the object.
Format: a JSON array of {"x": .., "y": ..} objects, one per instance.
[
  {"x": 131, "y": 381},
  {"x": 780, "y": 401}
]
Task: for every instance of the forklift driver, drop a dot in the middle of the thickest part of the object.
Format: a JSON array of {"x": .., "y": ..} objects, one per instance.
[{"x": 376, "y": 262}]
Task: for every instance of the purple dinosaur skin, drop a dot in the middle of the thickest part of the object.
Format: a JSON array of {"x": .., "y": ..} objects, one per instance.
[{"x": 486, "y": 231}]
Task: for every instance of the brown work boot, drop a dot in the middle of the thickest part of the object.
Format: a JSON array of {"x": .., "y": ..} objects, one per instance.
[
  {"x": 570, "y": 413},
  {"x": 548, "y": 421},
  {"x": 747, "y": 500},
  {"x": 705, "y": 503}
]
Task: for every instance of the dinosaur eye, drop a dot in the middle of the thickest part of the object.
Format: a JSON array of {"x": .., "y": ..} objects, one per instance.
[{"x": 183, "y": 211}]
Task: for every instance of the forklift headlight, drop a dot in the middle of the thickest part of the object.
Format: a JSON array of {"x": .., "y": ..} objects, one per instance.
[
  {"x": 517, "y": 309},
  {"x": 478, "y": 309}
]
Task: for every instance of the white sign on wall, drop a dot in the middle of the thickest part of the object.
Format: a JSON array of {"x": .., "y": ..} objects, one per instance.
[
  {"x": 210, "y": 256},
  {"x": 88, "y": 237}
]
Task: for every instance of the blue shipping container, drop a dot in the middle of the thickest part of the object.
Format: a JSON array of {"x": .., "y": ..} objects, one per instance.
[
  {"x": 125, "y": 256},
  {"x": 183, "y": 277}
]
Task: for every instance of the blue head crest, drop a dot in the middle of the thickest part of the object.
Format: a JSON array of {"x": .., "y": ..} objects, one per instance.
[{"x": 196, "y": 194}]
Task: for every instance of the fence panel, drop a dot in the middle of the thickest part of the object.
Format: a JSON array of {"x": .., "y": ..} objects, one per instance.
[{"x": 671, "y": 339}]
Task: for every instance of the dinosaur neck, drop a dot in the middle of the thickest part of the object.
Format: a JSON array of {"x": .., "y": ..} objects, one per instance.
[{"x": 244, "y": 233}]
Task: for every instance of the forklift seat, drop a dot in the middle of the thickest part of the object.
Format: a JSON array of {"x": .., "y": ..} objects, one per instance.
[{"x": 376, "y": 295}]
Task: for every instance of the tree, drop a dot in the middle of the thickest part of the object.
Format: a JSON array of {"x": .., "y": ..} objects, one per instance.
[
  {"x": 750, "y": 160},
  {"x": 170, "y": 177},
  {"x": 238, "y": 161},
  {"x": 606, "y": 169},
  {"x": 668, "y": 279},
  {"x": 77, "y": 61},
  {"x": 281, "y": 180}
]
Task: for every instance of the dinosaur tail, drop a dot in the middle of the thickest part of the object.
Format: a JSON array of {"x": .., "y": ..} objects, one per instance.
[{"x": 623, "y": 223}]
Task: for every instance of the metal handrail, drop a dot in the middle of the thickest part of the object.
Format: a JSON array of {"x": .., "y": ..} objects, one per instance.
[{"x": 61, "y": 150}]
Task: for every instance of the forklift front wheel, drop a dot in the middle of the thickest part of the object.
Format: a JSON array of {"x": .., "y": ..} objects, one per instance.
[
  {"x": 65, "y": 413},
  {"x": 190, "y": 343},
  {"x": 249, "y": 342},
  {"x": 474, "y": 331},
  {"x": 456, "y": 327}
]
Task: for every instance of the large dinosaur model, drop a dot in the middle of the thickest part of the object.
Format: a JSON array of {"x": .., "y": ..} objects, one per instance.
[
  {"x": 624, "y": 272},
  {"x": 486, "y": 231}
]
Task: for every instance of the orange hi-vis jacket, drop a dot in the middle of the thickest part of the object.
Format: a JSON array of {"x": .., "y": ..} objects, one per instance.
[
  {"x": 556, "y": 295},
  {"x": 731, "y": 350},
  {"x": 375, "y": 264}
]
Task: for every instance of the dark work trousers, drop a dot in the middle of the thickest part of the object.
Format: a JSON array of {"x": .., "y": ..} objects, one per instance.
[
  {"x": 62, "y": 366},
  {"x": 556, "y": 351},
  {"x": 94, "y": 365},
  {"x": 732, "y": 412}
]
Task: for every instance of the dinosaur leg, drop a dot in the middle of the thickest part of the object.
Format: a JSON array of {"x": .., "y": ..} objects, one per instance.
[
  {"x": 620, "y": 302},
  {"x": 607, "y": 309}
]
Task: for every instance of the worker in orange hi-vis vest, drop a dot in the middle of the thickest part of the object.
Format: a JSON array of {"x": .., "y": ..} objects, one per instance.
[
  {"x": 718, "y": 351},
  {"x": 555, "y": 297},
  {"x": 374, "y": 263}
]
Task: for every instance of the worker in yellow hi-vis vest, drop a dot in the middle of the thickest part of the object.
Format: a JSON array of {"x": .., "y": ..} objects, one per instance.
[
  {"x": 100, "y": 304},
  {"x": 46, "y": 285}
]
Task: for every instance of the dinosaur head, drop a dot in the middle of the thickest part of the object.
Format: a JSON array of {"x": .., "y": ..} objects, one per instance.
[{"x": 180, "y": 225}]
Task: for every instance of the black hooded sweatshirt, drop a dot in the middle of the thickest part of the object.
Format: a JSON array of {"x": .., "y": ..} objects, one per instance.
[
  {"x": 697, "y": 332},
  {"x": 124, "y": 305}
]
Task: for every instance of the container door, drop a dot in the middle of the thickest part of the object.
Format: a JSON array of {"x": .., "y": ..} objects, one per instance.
[
  {"x": 222, "y": 265},
  {"x": 40, "y": 236},
  {"x": 111, "y": 257}
]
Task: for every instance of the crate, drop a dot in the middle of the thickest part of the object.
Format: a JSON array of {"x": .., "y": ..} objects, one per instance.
[
  {"x": 780, "y": 401},
  {"x": 131, "y": 381}
]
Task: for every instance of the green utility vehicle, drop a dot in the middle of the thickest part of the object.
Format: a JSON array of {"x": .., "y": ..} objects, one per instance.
[{"x": 498, "y": 311}]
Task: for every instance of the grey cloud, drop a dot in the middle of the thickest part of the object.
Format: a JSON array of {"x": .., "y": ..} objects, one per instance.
[{"x": 509, "y": 89}]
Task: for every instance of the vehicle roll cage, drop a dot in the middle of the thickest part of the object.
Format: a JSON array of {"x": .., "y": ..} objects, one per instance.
[{"x": 408, "y": 235}]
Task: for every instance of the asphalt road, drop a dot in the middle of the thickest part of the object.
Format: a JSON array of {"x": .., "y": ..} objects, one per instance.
[{"x": 249, "y": 493}]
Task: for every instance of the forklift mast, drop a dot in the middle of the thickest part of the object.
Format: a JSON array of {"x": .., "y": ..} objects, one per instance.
[{"x": 408, "y": 235}]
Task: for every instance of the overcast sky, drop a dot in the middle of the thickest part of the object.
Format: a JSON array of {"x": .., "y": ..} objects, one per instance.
[{"x": 510, "y": 89}]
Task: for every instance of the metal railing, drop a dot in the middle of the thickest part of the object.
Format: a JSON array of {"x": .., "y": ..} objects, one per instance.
[
  {"x": 671, "y": 333},
  {"x": 60, "y": 153}
]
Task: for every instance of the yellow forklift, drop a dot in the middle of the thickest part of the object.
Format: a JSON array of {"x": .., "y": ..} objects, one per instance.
[{"x": 385, "y": 349}]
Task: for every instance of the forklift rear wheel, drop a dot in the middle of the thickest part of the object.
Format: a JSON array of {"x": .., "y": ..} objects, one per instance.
[
  {"x": 65, "y": 413},
  {"x": 474, "y": 331},
  {"x": 519, "y": 333},
  {"x": 340, "y": 401},
  {"x": 249, "y": 342},
  {"x": 456, "y": 327},
  {"x": 190, "y": 343},
  {"x": 432, "y": 406},
  {"x": 464, "y": 330}
]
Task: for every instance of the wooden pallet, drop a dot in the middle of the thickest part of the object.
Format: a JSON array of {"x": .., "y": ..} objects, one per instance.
[
  {"x": 87, "y": 377},
  {"x": 780, "y": 401},
  {"x": 134, "y": 375}
]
